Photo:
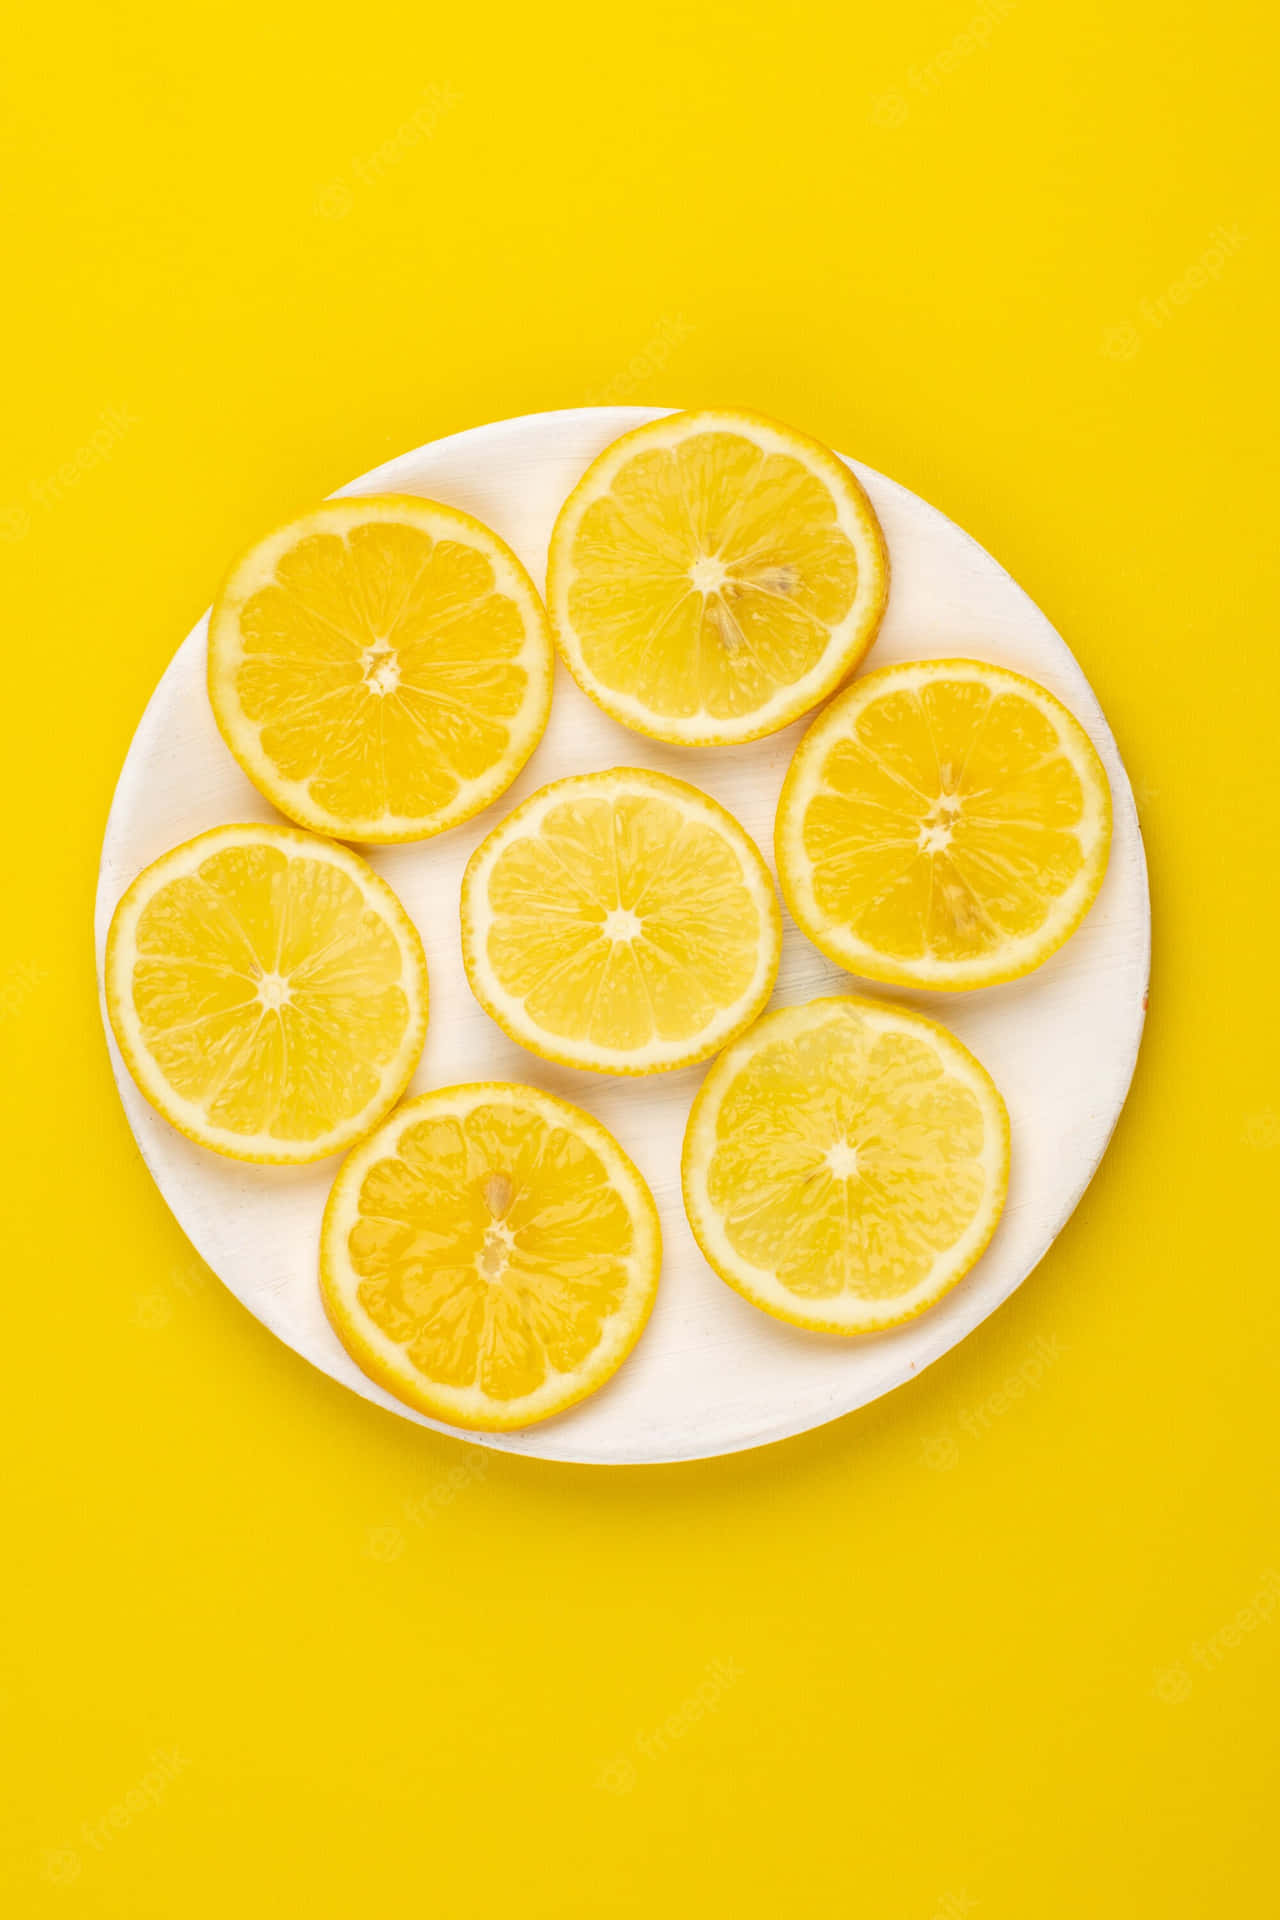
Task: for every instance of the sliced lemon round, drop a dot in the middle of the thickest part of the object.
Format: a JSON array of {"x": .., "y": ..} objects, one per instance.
[
  {"x": 621, "y": 921},
  {"x": 490, "y": 1255},
  {"x": 845, "y": 1163},
  {"x": 944, "y": 824},
  {"x": 714, "y": 575},
  {"x": 381, "y": 668},
  {"x": 268, "y": 992}
]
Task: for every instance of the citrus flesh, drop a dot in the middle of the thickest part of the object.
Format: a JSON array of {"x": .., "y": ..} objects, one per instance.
[
  {"x": 490, "y": 1255},
  {"x": 944, "y": 824},
  {"x": 381, "y": 668},
  {"x": 713, "y": 575},
  {"x": 268, "y": 992},
  {"x": 845, "y": 1163},
  {"x": 621, "y": 921}
]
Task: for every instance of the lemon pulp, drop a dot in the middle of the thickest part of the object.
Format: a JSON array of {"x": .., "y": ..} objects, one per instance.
[
  {"x": 845, "y": 1163},
  {"x": 268, "y": 992},
  {"x": 713, "y": 575},
  {"x": 622, "y": 921},
  {"x": 381, "y": 668},
  {"x": 944, "y": 823},
  {"x": 491, "y": 1255}
]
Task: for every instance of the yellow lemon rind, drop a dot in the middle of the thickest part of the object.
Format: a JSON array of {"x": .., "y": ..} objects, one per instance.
[
  {"x": 380, "y": 1359},
  {"x": 507, "y": 1012},
  {"x": 762, "y": 1289},
  {"x": 256, "y": 569},
  {"x": 850, "y": 641},
  {"x": 184, "y": 1115},
  {"x": 1015, "y": 958}
]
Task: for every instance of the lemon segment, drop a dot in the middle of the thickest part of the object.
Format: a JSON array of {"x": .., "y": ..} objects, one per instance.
[
  {"x": 944, "y": 824},
  {"x": 490, "y": 1255},
  {"x": 381, "y": 668},
  {"x": 268, "y": 992},
  {"x": 845, "y": 1163},
  {"x": 620, "y": 921},
  {"x": 713, "y": 575}
]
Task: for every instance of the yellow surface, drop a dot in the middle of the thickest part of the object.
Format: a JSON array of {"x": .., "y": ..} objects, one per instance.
[{"x": 1005, "y": 1644}]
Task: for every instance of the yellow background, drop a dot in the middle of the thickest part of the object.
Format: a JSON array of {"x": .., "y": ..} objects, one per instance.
[{"x": 1006, "y": 1643}]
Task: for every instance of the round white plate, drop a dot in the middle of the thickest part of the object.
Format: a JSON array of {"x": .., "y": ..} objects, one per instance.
[{"x": 711, "y": 1374}]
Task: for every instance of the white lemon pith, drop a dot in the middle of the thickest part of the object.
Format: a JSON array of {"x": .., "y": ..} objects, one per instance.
[
  {"x": 268, "y": 992},
  {"x": 490, "y": 1255},
  {"x": 381, "y": 668},
  {"x": 714, "y": 575},
  {"x": 944, "y": 824},
  {"x": 621, "y": 921},
  {"x": 845, "y": 1163}
]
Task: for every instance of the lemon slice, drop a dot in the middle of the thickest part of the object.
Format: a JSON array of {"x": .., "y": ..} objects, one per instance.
[
  {"x": 944, "y": 824},
  {"x": 490, "y": 1255},
  {"x": 713, "y": 575},
  {"x": 621, "y": 921},
  {"x": 381, "y": 668},
  {"x": 268, "y": 992},
  {"x": 845, "y": 1163}
]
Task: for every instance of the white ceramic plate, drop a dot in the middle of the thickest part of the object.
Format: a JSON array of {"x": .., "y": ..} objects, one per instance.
[{"x": 711, "y": 1374}]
